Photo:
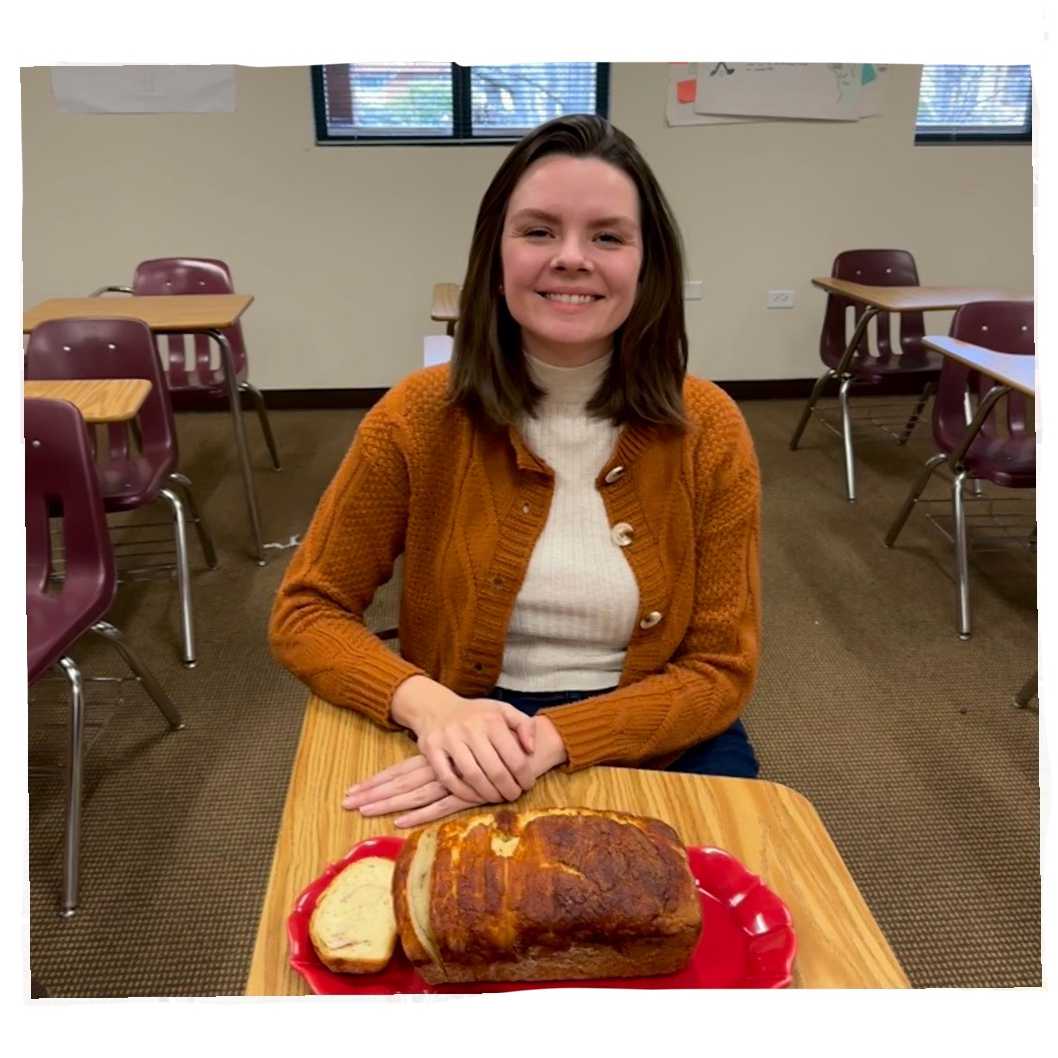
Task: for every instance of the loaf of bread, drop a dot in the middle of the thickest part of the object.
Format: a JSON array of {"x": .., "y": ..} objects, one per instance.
[
  {"x": 549, "y": 894},
  {"x": 352, "y": 926}
]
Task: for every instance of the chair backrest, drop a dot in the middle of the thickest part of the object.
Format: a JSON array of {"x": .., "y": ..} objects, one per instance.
[
  {"x": 880, "y": 268},
  {"x": 190, "y": 275},
  {"x": 61, "y": 480},
  {"x": 109, "y": 347},
  {"x": 1004, "y": 327}
]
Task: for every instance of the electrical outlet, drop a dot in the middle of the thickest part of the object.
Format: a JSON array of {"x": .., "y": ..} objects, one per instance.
[
  {"x": 780, "y": 299},
  {"x": 692, "y": 291}
]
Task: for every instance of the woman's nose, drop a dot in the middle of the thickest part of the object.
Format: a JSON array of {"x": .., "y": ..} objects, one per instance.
[{"x": 570, "y": 255}]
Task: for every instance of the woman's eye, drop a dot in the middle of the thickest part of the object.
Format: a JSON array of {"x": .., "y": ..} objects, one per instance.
[
  {"x": 537, "y": 233},
  {"x": 609, "y": 236}
]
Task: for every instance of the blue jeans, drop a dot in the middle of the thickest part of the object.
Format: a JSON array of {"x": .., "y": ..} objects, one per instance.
[{"x": 729, "y": 753}]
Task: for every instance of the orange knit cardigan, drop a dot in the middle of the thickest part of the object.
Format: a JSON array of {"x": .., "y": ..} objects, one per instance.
[{"x": 466, "y": 505}]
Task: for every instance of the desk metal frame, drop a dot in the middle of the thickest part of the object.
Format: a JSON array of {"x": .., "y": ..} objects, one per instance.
[{"x": 954, "y": 462}]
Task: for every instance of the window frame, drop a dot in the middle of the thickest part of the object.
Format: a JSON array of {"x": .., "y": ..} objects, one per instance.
[
  {"x": 975, "y": 136},
  {"x": 461, "y": 115}
]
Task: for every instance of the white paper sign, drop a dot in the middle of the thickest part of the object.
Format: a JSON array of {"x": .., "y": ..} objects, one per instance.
[
  {"x": 679, "y": 109},
  {"x": 779, "y": 89},
  {"x": 144, "y": 89}
]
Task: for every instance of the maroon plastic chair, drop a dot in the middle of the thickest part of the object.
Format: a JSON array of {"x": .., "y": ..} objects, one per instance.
[
  {"x": 61, "y": 482},
  {"x": 1003, "y": 451},
  {"x": 139, "y": 464},
  {"x": 198, "y": 275},
  {"x": 884, "y": 268}
]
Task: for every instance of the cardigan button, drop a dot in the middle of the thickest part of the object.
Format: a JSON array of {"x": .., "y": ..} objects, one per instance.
[
  {"x": 614, "y": 475},
  {"x": 650, "y": 620},
  {"x": 621, "y": 534}
]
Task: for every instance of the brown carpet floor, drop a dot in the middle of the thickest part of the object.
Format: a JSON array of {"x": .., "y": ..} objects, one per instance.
[{"x": 904, "y": 738}]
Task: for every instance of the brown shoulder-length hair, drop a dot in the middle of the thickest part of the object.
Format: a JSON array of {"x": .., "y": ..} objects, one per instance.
[{"x": 644, "y": 381}]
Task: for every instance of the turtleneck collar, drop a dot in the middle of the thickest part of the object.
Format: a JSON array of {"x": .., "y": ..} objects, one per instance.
[{"x": 568, "y": 385}]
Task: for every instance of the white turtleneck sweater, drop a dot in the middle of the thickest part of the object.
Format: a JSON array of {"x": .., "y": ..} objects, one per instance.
[{"x": 577, "y": 608}]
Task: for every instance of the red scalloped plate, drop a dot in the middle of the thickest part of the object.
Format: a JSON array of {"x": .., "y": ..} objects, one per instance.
[{"x": 747, "y": 937}]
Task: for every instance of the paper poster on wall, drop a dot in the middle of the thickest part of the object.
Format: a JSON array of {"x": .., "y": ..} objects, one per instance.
[
  {"x": 144, "y": 89},
  {"x": 829, "y": 91},
  {"x": 679, "y": 108},
  {"x": 874, "y": 82}
]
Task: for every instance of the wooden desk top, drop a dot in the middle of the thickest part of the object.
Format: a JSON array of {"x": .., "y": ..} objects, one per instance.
[
  {"x": 445, "y": 302},
  {"x": 172, "y": 313},
  {"x": 774, "y": 831},
  {"x": 1015, "y": 370},
  {"x": 97, "y": 399},
  {"x": 914, "y": 299}
]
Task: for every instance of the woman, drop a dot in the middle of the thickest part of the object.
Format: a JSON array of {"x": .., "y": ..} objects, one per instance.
[{"x": 579, "y": 520}]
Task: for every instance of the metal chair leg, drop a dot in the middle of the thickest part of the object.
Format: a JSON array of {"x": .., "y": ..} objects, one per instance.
[
  {"x": 846, "y": 438},
  {"x": 262, "y": 415},
  {"x": 1029, "y": 690},
  {"x": 912, "y": 422},
  {"x": 204, "y": 537},
  {"x": 183, "y": 578},
  {"x": 141, "y": 672},
  {"x": 72, "y": 843},
  {"x": 817, "y": 391},
  {"x": 962, "y": 565},
  {"x": 912, "y": 497}
]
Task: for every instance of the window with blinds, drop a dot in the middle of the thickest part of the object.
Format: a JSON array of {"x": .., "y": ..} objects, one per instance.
[
  {"x": 418, "y": 102},
  {"x": 982, "y": 104}
]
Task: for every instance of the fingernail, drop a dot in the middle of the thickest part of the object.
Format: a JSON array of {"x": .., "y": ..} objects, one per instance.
[{"x": 353, "y": 788}]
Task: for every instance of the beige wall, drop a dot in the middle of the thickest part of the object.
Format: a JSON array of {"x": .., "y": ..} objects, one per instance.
[{"x": 341, "y": 245}]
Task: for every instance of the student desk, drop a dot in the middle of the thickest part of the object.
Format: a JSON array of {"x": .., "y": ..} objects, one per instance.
[
  {"x": 774, "y": 831},
  {"x": 1008, "y": 372},
  {"x": 99, "y": 400},
  {"x": 208, "y": 314},
  {"x": 876, "y": 299},
  {"x": 445, "y": 308}
]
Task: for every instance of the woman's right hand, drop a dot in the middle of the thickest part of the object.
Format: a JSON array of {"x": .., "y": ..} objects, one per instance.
[{"x": 478, "y": 748}]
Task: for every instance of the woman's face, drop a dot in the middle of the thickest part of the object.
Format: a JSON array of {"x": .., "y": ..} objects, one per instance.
[{"x": 571, "y": 251}]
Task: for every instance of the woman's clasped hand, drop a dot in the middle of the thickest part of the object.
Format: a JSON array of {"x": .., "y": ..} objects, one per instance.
[{"x": 473, "y": 751}]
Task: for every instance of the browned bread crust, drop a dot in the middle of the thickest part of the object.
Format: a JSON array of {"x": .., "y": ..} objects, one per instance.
[{"x": 553, "y": 894}]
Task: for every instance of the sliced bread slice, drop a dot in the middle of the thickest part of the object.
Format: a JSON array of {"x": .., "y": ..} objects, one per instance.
[{"x": 352, "y": 927}]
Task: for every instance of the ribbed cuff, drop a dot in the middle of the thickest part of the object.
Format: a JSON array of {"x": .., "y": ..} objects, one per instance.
[
  {"x": 587, "y": 730},
  {"x": 362, "y": 674}
]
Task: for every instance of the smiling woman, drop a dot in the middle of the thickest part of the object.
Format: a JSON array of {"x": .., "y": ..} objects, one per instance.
[
  {"x": 579, "y": 519},
  {"x": 571, "y": 255}
]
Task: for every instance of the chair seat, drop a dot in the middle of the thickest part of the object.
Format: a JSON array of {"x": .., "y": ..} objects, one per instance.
[
  {"x": 875, "y": 369},
  {"x": 130, "y": 483},
  {"x": 55, "y": 622},
  {"x": 1006, "y": 461}
]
